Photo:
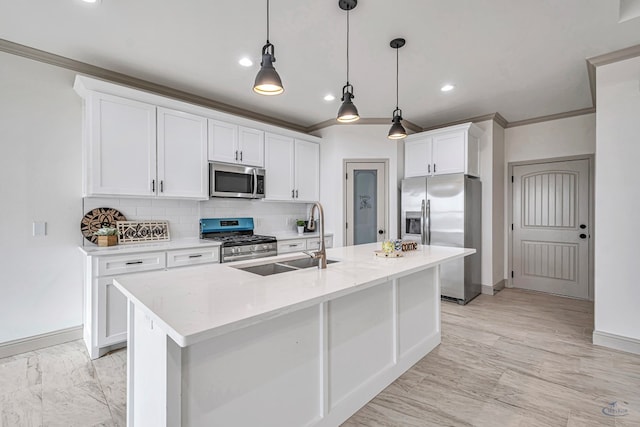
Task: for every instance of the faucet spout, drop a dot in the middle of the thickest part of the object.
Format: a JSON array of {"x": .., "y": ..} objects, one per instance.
[{"x": 322, "y": 253}]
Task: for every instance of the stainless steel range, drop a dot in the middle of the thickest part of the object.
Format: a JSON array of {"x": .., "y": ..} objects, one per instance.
[{"x": 237, "y": 238}]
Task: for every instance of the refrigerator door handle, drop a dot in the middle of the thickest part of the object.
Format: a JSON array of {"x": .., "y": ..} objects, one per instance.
[
  {"x": 423, "y": 224},
  {"x": 428, "y": 222}
]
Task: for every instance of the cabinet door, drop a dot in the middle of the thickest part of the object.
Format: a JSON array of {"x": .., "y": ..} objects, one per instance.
[
  {"x": 417, "y": 157},
  {"x": 449, "y": 153},
  {"x": 279, "y": 157},
  {"x": 223, "y": 142},
  {"x": 112, "y": 313},
  {"x": 307, "y": 171},
  {"x": 182, "y": 155},
  {"x": 251, "y": 146},
  {"x": 121, "y": 146}
]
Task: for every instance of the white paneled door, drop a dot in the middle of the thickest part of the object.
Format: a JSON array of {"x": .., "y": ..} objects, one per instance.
[{"x": 551, "y": 227}]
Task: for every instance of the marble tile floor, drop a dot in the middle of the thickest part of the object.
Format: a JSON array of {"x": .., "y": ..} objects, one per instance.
[{"x": 515, "y": 359}]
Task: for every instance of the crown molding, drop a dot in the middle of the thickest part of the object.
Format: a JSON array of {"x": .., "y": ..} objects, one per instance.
[
  {"x": 551, "y": 117},
  {"x": 496, "y": 117},
  {"x": 145, "y": 85},
  {"x": 608, "y": 58}
]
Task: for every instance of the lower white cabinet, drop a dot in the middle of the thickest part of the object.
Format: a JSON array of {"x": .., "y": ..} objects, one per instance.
[
  {"x": 105, "y": 308},
  {"x": 296, "y": 244}
]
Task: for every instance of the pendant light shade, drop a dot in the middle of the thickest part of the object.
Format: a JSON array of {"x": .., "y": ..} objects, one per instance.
[
  {"x": 397, "y": 131},
  {"x": 348, "y": 112},
  {"x": 268, "y": 81}
]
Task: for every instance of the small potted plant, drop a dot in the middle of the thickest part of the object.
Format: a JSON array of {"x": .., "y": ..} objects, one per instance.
[
  {"x": 300, "y": 223},
  {"x": 107, "y": 236}
]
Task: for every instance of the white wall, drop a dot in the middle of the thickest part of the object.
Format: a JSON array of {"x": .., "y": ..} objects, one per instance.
[
  {"x": 617, "y": 209},
  {"x": 40, "y": 176},
  {"x": 354, "y": 142},
  {"x": 556, "y": 138},
  {"x": 499, "y": 225}
]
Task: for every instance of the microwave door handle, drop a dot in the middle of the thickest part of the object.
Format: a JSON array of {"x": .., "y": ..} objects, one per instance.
[{"x": 255, "y": 183}]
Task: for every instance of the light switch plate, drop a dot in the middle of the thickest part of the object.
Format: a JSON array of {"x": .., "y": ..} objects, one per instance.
[{"x": 39, "y": 228}]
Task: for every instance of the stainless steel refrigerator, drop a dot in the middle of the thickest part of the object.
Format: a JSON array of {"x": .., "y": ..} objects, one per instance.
[{"x": 445, "y": 210}]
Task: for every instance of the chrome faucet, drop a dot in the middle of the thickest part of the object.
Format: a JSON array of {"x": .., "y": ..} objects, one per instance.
[{"x": 322, "y": 253}]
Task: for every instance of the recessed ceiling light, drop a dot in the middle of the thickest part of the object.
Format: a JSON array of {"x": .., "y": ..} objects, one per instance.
[
  {"x": 91, "y": 1},
  {"x": 245, "y": 62},
  {"x": 329, "y": 97},
  {"x": 447, "y": 88}
]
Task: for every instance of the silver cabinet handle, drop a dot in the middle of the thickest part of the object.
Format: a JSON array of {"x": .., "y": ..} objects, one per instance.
[
  {"x": 241, "y": 156},
  {"x": 434, "y": 168},
  {"x": 195, "y": 256},
  {"x": 296, "y": 194},
  {"x": 429, "y": 168},
  {"x": 292, "y": 194},
  {"x": 236, "y": 155},
  {"x": 134, "y": 262},
  {"x": 162, "y": 186}
]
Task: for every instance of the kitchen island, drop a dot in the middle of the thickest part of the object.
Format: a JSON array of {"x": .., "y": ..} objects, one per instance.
[{"x": 218, "y": 346}]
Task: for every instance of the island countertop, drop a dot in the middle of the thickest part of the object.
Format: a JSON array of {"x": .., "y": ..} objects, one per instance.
[{"x": 197, "y": 303}]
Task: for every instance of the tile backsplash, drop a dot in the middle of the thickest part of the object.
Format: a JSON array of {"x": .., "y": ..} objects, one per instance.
[{"x": 183, "y": 215}]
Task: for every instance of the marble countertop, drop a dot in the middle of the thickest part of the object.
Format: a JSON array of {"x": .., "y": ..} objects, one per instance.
[
  {"x": 147, "y": 247},
  {"x": 200, "y": 302}
]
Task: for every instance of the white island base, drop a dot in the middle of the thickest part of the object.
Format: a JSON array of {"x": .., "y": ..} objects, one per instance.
[{"x": 314, "y": 363}]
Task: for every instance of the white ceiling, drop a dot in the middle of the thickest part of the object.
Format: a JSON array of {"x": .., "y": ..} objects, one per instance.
[{"x": 521, "y": 58}]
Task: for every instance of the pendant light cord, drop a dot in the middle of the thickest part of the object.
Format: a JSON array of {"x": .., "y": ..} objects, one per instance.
[
  {"x": 267, "y": 21},
  {"x": 397, "y": 72},
  {"x": 347, "y": 46}
]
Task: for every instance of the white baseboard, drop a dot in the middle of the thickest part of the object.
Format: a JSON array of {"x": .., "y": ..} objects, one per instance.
[
  {"x": 11, "y": 348},
  {"x": 617, "y": 342},
  {"x": 492, "y": 290}
]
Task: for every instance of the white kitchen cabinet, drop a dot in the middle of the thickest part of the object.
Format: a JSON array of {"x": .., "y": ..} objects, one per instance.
[
  {"x": 120, "y": 146},
  {"x": 291, "y": 245},
  {"x": 313, "y": 244},
  {"x": 229, "y": 143},
  {"x": 182, "y": 155},
  {"x": 137, "y": 149},
  {"x": 443, "y": 151},
  {"x": 292, "y": 169},
  {"x": 105, "y": 308}
]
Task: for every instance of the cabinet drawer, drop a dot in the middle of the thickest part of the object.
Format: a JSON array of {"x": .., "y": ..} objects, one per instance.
[
  {"x": 179, "y": 258},
  {"x": 292, "y": 246},
  {"x": 122, "y": 264},
  {"x": 314, "y": 244}
]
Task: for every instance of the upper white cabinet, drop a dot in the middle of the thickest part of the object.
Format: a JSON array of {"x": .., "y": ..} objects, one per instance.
[
  {"x": 120, "y": 146},
  {"x": 182, "y": 155},
  {"x": 138, "y": 149},
  {"x": 231, "y": 143},
  {"x": 292, "y": 169},
  {"x": 443, "y": 151}
]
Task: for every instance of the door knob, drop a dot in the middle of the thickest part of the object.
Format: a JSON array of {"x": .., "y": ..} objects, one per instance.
[
  {"x": 583, "y": 236},
  {"x": 380, "y": 231}
]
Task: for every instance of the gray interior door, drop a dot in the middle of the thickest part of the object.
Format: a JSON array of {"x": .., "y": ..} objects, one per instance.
[
  {"x": 551, "y": 227},
  {"x": 365, "y": 189}
]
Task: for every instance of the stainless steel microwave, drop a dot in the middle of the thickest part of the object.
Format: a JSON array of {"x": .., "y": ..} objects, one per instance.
[{"x": 227, "y": 180}]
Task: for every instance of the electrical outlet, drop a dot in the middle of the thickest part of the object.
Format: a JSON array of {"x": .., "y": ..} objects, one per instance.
[{"x": 39, "y": 228}]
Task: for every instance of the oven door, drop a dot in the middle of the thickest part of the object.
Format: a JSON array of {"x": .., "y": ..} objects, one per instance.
[{"x": 236, "y": 181}]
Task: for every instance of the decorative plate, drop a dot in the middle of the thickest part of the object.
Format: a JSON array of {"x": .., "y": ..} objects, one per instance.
[
  {"x": 99, "y": 218},
  {"x": 142, "y": 231}
]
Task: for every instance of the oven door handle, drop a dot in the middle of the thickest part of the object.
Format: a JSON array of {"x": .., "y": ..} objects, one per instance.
[{"x": 255, "y": 183}]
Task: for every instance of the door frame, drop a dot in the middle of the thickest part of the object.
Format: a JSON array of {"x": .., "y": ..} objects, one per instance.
[
  {"x": 344, "y": 191},
  {"x": 509, "y": 214}
]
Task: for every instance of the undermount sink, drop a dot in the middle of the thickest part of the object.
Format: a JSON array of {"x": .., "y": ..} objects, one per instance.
[{"x": 283, "y": 266}]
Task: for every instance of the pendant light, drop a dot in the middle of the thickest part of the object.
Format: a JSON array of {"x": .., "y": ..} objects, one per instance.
[
  {"x": 268, "y": 81},
  {"x": 348, "y": 112},
  {"x": 397, "y": 131}
]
